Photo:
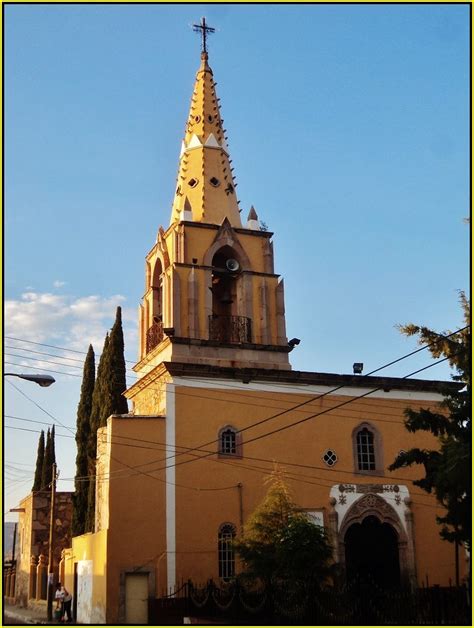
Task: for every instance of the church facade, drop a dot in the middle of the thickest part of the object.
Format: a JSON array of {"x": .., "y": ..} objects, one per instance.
[{"x": 216, "y": 403}]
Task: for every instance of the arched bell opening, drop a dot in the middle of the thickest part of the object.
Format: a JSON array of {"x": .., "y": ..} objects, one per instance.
[
  {"x": 225, "y": 323},
  {"x": 155, "y": 328},
  {"x": 157, "y": 289}
]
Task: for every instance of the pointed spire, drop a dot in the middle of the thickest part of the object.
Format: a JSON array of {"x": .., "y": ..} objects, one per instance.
[
  {"x": 205, "y": 183},
  {"x": 252, "y": 214},
  {"x": 252, "y": 220}
]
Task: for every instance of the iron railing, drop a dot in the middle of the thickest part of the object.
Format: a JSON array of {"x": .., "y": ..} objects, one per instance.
[
  {"x": 154, "y": 336},
  {"x": 243, "y": 602},
  {"x": 233, "y": 329}
]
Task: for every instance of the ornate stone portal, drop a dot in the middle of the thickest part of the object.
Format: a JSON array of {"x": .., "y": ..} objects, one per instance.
[{"x": 352, "y": 503}]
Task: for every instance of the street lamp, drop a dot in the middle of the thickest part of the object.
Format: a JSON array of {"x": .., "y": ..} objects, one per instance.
[{"x": 40, "y": 379}]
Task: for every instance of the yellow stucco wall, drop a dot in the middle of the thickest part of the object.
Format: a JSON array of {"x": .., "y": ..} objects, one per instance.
[
  {"x": 200, "y": 413},
  {"x": 136, "y": 534},
  {"x": 89, "y": 550}
]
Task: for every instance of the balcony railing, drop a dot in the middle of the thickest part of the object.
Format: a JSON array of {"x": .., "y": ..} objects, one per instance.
[
  {"x": 234, "y": 329},
  {"x": 154, "y": 336}
]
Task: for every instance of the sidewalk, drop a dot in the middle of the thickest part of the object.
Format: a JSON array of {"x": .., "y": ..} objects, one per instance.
[{"x": 20, "y": 615}]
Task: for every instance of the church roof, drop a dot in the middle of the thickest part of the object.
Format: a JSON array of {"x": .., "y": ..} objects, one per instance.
[
  {"x": 179, "y": 369},
  {"x": 205, "y": 189}
]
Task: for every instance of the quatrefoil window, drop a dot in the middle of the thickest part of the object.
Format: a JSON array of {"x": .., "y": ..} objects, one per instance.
[{"x": 330, "y": 457}]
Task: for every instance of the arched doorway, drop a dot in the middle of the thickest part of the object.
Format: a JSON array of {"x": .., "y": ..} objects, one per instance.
[
  {"x": 372, "y": 528},
  {"x": 372, "y": 554}
]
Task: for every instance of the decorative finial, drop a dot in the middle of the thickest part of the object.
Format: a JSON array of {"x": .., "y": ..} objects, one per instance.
[{"x": 203, "y": 29}]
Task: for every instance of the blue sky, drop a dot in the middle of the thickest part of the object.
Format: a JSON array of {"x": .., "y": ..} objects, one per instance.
[{"x": 349, "y": 132}]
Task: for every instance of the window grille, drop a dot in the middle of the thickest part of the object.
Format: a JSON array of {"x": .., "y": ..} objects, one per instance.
[
  {"x": 226, "y": 551},
  {"x": 228, "y": 442},
  {"x": 365, "y": 450}
]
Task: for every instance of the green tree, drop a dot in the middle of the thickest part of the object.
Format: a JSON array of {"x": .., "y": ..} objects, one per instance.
[
  {"x": 83, "y": 429},
  {"x": 92, "y": 439},
  {"x": 114, "y": 384},
  {"x": 447, "y": 468},
  {"x": 280, "y": 542},
  {"x": 107, "y": 399},
  {"x": 39, "y": 463},
  {"x": 47, "y": 468}
]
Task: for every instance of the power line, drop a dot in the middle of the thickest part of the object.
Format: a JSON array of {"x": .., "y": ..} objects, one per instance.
[
  {"x": 312, "y": 399},
  {"x": 51, "y": 355},
  {"x": 18, "y": 418},
  {"x": 287, "y": 410},
  {"x": 294, "y": 475},
  {"x": 38, "y": 406},
  {"x": 27, "y": 357},
  {"x": 42, "y": 344},
  {"x": 39, "y": 368},
  {"x": 285, "y": 427},
  {"x": 25, "y": 429}
]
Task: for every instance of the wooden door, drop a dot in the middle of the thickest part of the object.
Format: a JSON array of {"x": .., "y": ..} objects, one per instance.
[{"x": 136, "y": 598}]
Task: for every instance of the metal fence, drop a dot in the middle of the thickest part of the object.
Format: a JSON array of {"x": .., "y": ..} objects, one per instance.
[{"x": 291, "y": 603}]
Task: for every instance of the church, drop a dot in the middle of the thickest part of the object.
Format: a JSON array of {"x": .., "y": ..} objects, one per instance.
[{"x": 216, "y": 403}]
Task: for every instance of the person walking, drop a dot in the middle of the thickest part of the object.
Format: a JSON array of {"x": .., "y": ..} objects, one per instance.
[
  {"x": 58, "y": 596},
  {"x": 67, "y": 602}
]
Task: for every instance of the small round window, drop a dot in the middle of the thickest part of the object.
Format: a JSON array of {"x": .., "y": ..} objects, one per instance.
[
  {"x": 210, "y": 118},
  {"x": 197, "y": 118},
  {"x": 215, "y": 182},
  {"x": 192, "y": 182},
  {"x": 330, "y": 457}
]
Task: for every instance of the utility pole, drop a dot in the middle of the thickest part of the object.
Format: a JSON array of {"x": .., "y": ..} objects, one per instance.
[
  {"x": 51, "y": 542},
  {"x": 14, "y": 544}
]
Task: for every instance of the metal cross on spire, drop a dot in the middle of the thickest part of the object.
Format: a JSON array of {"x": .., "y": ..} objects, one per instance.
[{"x": 203, "y": 28}]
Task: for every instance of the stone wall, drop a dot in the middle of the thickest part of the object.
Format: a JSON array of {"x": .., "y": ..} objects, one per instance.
[{"x": 34, "y": 537}]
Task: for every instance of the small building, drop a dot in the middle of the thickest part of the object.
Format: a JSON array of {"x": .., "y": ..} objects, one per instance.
[
  {"x": 216, "y": 402},
  {"x": 33, "y": 543}
]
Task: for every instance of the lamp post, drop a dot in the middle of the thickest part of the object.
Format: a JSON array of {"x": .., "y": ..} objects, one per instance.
[
  {"x": 50, "y": 590},
  {"x": 40, "y": 379},
  {"x": 44, "y": 381}
]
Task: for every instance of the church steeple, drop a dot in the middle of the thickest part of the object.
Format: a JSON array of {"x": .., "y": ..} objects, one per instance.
[
  {"x": 211, "y": 293},
  {"x": 205, "y": 188}
]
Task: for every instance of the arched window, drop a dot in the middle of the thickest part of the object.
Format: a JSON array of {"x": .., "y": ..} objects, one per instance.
[
  {"x": 367, "y": 445},
  {"x": 225, "y": 551},
  {"x": 229, "y": 442}
]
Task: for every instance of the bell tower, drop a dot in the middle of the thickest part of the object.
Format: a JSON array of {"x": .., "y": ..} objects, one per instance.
[{"x": 211, "y": 294}]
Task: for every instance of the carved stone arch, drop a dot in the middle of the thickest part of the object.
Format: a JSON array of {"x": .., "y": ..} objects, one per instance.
[
  {"x": 226, "y": 236},
  {"x": 372, "y": 504}
]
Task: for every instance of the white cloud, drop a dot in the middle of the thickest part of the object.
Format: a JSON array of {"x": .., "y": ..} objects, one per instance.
[
  {"x": 67, "y": 321},
  {"x": 58, "y": 283}
]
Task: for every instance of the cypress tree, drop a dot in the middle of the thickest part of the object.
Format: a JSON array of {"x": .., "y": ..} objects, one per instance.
[
  {"x": 114, "y": 384},
  {"x": 82, "y": 441},
  {"x": 107, "y": 399},
  {"x": 46, "y": 472},
  {"x": 92, "y": 438},
  {"x": 39, "y": 463}
]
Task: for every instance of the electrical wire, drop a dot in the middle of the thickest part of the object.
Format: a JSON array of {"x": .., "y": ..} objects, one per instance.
[
  {"x": 285, "y": 427},
  {"x": 211, "y": 453}
]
